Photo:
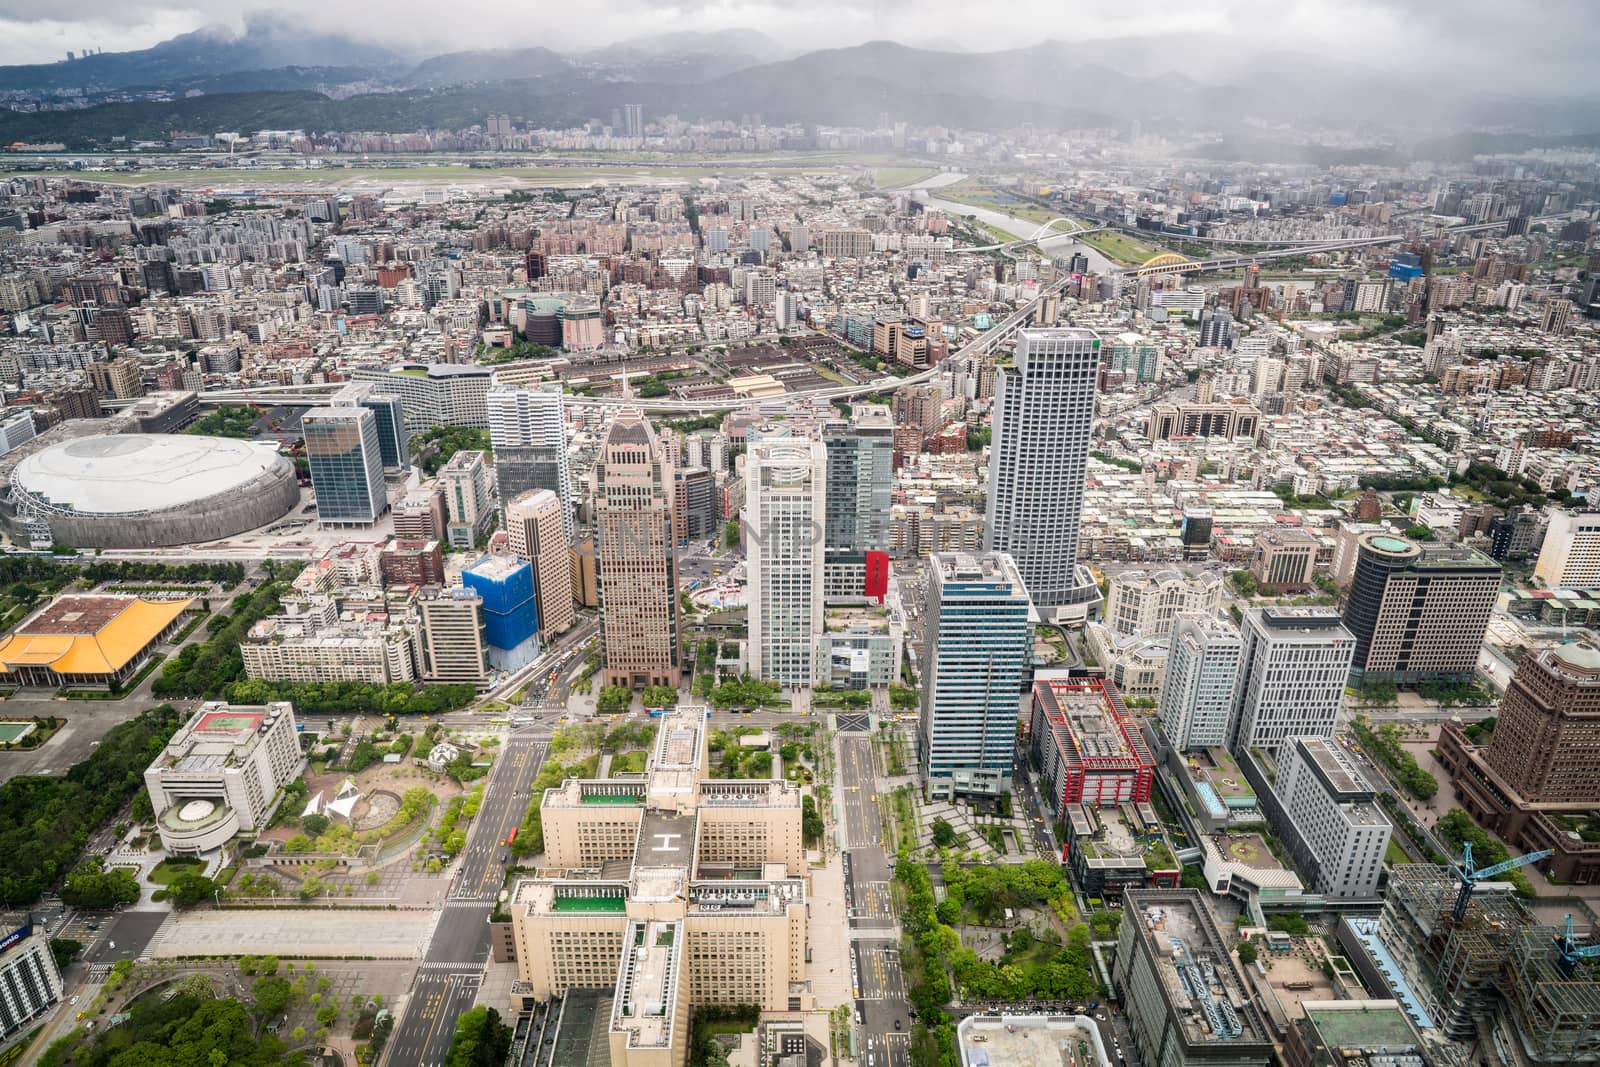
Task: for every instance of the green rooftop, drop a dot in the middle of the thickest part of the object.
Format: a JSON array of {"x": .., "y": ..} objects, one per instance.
[
  {"x": 608, "y": 905},
  {"x": 1350, "y": 1027},
  {"x": 613, "y": 798}
]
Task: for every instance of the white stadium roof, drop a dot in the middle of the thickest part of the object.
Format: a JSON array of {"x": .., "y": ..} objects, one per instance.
[{"x": 111, "y": 474}]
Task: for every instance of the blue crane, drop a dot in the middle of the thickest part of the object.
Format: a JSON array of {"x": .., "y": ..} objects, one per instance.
[
  {"x": 1470, "y": 877},
  {"x": 1571, "y": 951}
]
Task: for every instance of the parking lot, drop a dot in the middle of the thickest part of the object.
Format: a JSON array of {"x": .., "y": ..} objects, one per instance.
[{"x": 346, "y": 932}]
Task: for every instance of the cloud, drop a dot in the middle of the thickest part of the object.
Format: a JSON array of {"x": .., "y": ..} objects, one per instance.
[{"x": 1544, "y": 44}]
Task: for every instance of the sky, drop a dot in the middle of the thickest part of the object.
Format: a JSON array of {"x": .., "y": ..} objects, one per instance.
[{"x": 1532, "y": 44}]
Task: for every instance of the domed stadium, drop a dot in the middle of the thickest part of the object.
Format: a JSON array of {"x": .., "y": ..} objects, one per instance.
[{"x": 146, "y": 490}]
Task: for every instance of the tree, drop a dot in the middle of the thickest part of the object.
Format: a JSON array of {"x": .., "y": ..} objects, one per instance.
[
  {"x": 189, "y": 889},
  {"x": 65, "y": 950},
  {"x": 92, "y": 886},
  {"x": 614, "y": 698},
  {"x": 944, "y": 835},
  {"x": 481, "y": 1040},
  {"x": 315, "y": 825},
  {"x": 272, "y": 996},
  {"x": 1247, "y": 952},
  {"x": 730, "y": 534},
  {"x": 660, "y": 696}
]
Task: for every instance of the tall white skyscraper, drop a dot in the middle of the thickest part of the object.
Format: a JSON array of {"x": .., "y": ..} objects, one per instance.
[
  {"x": 785, "y": 504},
  {"x": 528, "y": 433},
  {"x": 1043, "y": 412},
  {"x": 1294, "y": 667},
  {"x": 1198, "y": 693},
  {"x": 975, "y": 646}
]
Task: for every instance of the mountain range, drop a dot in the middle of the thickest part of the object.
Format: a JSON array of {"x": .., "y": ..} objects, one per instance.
[{"x": 274, "y": 75}]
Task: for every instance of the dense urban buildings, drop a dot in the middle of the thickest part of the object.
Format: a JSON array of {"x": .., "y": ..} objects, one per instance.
[{"x": 843, "y": 444}]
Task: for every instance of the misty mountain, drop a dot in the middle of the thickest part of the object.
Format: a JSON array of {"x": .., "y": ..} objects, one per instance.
[
  {"x": 464, "y": 68},
  {"x": 726, "y": 75},
  {"x": 1044, "y": 83},
  {"x": 687, "y": 57},
  {"x": 266, "y": 44}
]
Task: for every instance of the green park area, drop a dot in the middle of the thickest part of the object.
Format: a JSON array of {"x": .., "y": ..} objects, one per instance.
[{"x": 1121, "y": 247}]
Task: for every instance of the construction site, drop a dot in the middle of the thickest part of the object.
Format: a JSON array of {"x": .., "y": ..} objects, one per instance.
[{"x": 1486, "y": 973}]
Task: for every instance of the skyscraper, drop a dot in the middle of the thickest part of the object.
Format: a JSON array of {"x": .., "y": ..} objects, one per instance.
[
  {"x": 1199, "y": 691},
  {"x": 1570, "y": 557},
  {"x": 860, "y": 477},
  {"x": 785, "y": 502},
  {"x": 1418, "y": 612},
  {"x": 1043, "y": 411},
  {"x": 345, "y": 456},
  {"x": 977, "y": 640},
  {"x": 389, "y": 410},
  {"x": 1294, "y": 667},
  {"x": 1548, "y": 730},
  {"x": 528, "y": 433},
  {"x": 465, "y": 479},
  {"x": 454, "y": 648},
  {"x": 534, "y": 533},
  {"x": 636, "y": 557}
]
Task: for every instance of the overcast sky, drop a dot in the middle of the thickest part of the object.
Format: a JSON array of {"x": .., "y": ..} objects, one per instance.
[{"x": 1546, "y": 44}]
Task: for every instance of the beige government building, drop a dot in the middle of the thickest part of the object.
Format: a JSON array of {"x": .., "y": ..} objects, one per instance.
[{"x": 667, "y": 892}]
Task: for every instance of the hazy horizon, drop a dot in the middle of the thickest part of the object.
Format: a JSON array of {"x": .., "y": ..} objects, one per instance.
[{"x": 1542, "y": 50}]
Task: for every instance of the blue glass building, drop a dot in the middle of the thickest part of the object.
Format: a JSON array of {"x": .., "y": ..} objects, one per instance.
[{"x": 510, "y": 608}]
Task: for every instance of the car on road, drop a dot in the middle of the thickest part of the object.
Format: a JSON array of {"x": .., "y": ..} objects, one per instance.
[{"x": 897, "y": 1024}]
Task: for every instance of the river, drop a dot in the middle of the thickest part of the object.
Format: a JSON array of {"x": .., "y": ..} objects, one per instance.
[{"x": 1010, "y": 224}]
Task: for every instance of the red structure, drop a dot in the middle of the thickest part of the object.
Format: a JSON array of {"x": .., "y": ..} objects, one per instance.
[
  {"x": 1086, "y": 748},
  {"x": 877, "y": 583}
]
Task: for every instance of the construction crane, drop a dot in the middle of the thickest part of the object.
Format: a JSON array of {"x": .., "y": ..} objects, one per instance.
[
  {"x": 1571, "y": 951},
  {"x": 1470, "y": 878}
]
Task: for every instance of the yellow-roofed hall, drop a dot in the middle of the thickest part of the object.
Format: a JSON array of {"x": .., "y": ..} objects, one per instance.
[{"x": 87, "y": 640}]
